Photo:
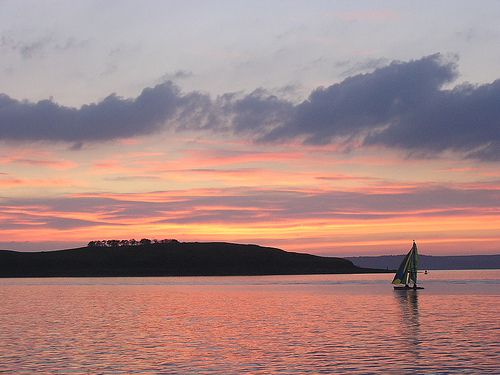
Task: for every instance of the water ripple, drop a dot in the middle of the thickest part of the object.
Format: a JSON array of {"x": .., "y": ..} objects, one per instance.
[{"x": 308, "y": 324}]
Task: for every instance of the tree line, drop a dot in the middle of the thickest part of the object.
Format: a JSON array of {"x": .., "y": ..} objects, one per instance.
[{"x": 131, "y": 242}]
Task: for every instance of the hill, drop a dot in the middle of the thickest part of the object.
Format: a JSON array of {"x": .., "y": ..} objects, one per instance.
[
  {"x": 170, "y": 259},
  {"x": 428, "y": 262}
]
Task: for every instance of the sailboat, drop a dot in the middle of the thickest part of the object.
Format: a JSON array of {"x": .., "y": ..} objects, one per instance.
[{"x": 407, "y": 271}]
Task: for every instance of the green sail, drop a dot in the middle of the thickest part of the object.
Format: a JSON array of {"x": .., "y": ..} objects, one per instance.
[{"x": 412, "y": 269}]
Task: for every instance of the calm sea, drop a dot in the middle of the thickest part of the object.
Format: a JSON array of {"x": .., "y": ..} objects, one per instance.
[{"x": 327, "y": 324}]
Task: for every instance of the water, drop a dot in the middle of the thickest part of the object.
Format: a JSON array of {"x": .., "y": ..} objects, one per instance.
[{"x": 325, "y": 324}]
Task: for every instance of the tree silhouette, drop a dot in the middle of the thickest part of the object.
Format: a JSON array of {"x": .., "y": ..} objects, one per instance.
[
  {"x": 131, "y": 242},
  {"x": 145, "y": 241}
]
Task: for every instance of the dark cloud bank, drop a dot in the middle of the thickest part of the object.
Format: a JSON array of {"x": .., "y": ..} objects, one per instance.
[{"x": 403, "y": 105}]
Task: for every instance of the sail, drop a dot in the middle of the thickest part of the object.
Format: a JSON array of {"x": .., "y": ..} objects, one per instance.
[
  {"x": 407, "y": 271},
  {"x": 401, "y": 276},
  {"x": 412, "y": 269}
]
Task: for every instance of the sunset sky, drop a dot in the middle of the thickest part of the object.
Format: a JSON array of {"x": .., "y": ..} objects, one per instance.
[{"x": 336, "y": 128}]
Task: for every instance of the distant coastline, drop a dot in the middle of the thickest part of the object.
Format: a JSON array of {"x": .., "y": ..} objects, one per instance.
[
  {"x": 171, "y": 258},
  {"x": 428, "y": 262}
]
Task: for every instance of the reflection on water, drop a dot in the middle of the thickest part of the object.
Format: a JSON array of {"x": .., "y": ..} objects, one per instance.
[
  {"x": 410, "y": 325},
  {"x": 328, "y": 324}
]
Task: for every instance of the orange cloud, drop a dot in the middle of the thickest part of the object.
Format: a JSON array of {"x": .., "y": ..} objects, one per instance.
[{"x": 10, "y": 182}]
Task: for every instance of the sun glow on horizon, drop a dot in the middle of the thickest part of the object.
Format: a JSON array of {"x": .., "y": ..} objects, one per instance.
[{"x": 297, "y": 201}]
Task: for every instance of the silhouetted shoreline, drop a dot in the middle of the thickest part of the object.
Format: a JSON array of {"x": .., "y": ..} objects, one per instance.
[
  {"x": 429, "y": 262},
  {"x": 171, "y": 259}
]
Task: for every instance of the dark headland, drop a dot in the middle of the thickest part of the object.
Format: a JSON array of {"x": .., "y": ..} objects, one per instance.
[{"x": 171, "y": 259}]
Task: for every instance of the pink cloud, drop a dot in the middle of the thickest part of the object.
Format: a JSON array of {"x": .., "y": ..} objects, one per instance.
[
  {"x": 366, "y": 16},
  {"x": 36, "y": 158},
  {"x": 58, "y": 164}
]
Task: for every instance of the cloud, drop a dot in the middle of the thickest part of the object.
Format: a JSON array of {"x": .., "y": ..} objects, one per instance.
[
  {"x": 38, "y": 47},
  {"x": 179, "y": 74},
  {"x": 27, "y": 50},
  {"x": 257, "y": 112},
  {"x": 112, "y": 118},
  {"x": 403, "y": 105},
  {"x": 366, "y": 16},
  {"x": 245, "y": 206},
  {"x": 365, "y": 102}
]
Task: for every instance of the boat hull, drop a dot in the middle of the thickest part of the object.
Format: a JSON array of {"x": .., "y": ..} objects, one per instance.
[{"x": 407, "y": 287}]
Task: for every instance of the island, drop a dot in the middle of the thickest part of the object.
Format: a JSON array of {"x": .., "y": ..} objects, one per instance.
[{"x": 170, "y": 258}]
